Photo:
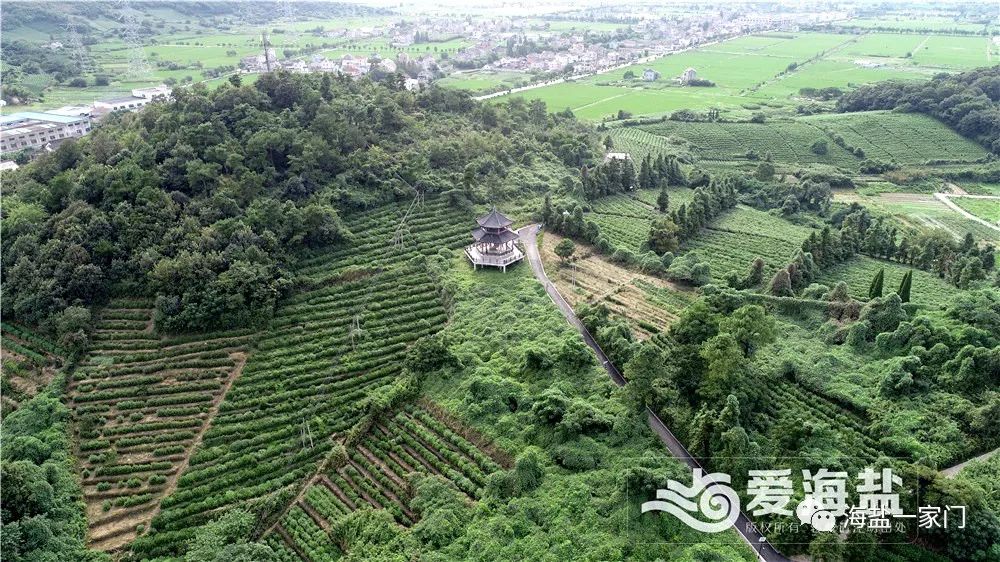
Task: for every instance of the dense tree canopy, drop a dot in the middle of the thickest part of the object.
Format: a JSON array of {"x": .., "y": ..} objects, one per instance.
[{"x": 205, "y": 202}]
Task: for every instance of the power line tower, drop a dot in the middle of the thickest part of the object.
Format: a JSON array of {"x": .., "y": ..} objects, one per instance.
[
  {"x": 269, "y": 59},
  {"x": 138, "y": 64},
  {"x": 77, "y": 51}
]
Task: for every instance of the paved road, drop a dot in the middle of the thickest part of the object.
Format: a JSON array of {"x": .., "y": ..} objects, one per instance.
[
  {"x": 677, "y": 449},
  {"x": 951, "y": 471}
]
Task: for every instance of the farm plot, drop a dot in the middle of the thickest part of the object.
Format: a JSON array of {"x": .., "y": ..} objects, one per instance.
[
  {"x": 624, "y": 220},
  {"x": 785, "y": 141},
  {"x": 921, "y": 211},
  {"x": 639, "y": 143},
  {"x": 906, "y": 138},
  {"x": 927, "y": 290},
  {"x": 140, "y": 403},
  {"x": 734, "y": 240},
  {"x": 984, "y": 208},
  {"x": 29, "y": 362},
  {"x": 391, "y": 236},
  {"x": 378, "y": 473},
  {"x": 650, "y": 304},
  {"x": 329, "y": 350}
]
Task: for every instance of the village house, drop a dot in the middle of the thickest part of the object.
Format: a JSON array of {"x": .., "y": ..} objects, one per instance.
[{"x": 650, "y": 75}]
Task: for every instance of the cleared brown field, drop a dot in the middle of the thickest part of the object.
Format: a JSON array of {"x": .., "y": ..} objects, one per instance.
[{"x": 649, "y": 303}]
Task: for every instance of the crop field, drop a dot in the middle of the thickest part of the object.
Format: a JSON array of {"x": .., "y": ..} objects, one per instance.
[
  {"x": 328, "y": 349},
  {"x": 795, "y": 47},
  {"x": 379, "y": 472},
  {"x": 840, "y": 73},
  {"x": 751, "y": 70},
  {"x": 589, "y": 101},
  {"x": 921, "y": 211},
  {"x": 785, "y": 141},
  {"x": 625, "y": 219},
  {"x": 986, "y": 209},
  {"x": 650, "y": 304},
  {"x": 906, "y": 138},
  {"x": 982, "y": 188},
  {"x": 915, "y": 24},
  {"x": 735, "y": 239},
  {"x": 140, "y": 404},
  {"x": 639, "y": 143},
  {"x": 928, "y": 290},
  {"x": 28, "y": 363}
]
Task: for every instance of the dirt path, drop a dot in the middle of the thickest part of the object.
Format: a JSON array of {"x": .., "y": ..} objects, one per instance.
[
  {"x": 956, "y": 189},
  {"x": 951, "y": 471},
  {"x": 946, "y": 199}
]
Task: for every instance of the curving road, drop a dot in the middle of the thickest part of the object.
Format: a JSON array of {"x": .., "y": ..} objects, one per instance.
[{"x": 743, "y": 525}]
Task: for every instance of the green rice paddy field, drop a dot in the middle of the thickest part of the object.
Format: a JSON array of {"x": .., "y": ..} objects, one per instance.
[{"x": 754, "y": 69}]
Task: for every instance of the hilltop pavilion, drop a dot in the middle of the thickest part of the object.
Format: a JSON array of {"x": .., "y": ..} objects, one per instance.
[{"x": 495, "y": 243}]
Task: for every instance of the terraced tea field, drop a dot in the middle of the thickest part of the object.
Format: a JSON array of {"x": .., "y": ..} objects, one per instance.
[
  {"x": 734, "y": 240},
  {"x": 640, "y": 143},
  {"x": 141, "y": 404},
  {"x": 906, "y": 138},
  {"x": 29, "y": 362},
  {"x": 379, "y": 472},
  {"x": 786, "y": 141},
  {"x": 927, "y": 290},
  {"x": 625, "y": 219},
  {"x": 328, "y": 350}
]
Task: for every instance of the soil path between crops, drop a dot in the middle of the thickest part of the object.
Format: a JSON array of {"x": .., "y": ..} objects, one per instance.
[
  {"x": 946, "y": 199},
  {"x": 743, "y": 525}
]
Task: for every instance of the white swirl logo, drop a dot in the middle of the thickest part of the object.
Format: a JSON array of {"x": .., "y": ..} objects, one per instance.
[{"x": 718, "y": 502}]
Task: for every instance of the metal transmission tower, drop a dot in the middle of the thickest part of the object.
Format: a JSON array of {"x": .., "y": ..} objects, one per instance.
[
  {"x": 288, "y": 13},
  {"x": 138, "y": 64},
  {"x": 76, "y": 49}
]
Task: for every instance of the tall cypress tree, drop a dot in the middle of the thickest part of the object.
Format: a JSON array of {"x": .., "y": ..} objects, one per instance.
[
  {"x": 904, "y": 286},
  {"x": 875, "y": 290},
  {"x": 663, "y": 200}
]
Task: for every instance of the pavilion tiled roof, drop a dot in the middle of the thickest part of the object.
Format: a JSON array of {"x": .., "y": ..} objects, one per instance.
[
  {"x": 481, "y": 236},
  {"x": 495, "y": 219}
]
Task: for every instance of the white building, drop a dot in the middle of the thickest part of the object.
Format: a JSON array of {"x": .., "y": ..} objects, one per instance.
[
  {"x": 161, "y": 92},
  {"x": 31, "y": 129},
  {"x": 128, "y": 103},
  {"x": 688, "y": 75},
  {"x": 650, "y": 75},
  {"x": 73, "y": 111}
]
